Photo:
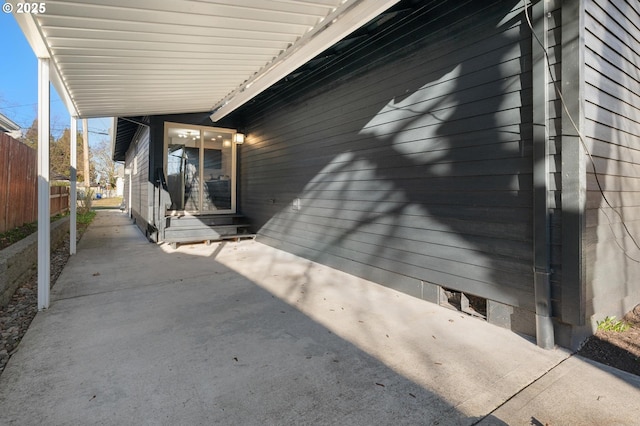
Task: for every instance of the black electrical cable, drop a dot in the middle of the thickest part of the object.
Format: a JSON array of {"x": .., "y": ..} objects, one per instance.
[
  {"x": 582, "y": 141},
  {"x": 359, "y": 49}
]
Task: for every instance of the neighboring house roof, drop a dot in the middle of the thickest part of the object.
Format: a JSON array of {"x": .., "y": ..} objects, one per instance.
[
  {"x": 146, "y": 57},
  {"x": 54, "y": 176},
  {"x": 6, "y": 125}
]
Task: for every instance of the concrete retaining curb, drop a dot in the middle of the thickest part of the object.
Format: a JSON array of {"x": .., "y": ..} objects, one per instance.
[{"x": 18, "y": 262}]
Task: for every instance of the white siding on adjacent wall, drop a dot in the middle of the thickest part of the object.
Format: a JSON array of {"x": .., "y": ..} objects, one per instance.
[{"x": 137, "y": 160}]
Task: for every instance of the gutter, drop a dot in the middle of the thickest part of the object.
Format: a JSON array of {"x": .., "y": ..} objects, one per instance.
[{"x": 345, "y": 19}]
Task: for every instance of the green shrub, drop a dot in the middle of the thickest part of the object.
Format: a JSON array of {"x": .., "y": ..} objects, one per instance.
[
  {"x": 84, "y": 218},
  {"x": 16, "y": 234},
  {"x": 86, "y": 202},
  {"x": 611, "y": 324}
]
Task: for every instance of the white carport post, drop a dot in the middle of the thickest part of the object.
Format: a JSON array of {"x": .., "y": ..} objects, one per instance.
[
  {"x": 44, "y": 225},
  {"x": 73, "y": 191}
]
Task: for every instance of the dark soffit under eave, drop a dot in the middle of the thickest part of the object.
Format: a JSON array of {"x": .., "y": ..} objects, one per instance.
[{"x": 126, "y": 129}]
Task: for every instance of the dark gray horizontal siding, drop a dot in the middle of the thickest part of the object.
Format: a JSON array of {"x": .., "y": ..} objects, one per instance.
[
  {"x": 616, "y": 167},
  {"x": 601, "y": 107},
  {"x": 615, "y": 199},
  {"x": 415, "y": 170},
  {"x": 503, "y": 150},
  {"x": 400, "y": 275},
  {"x": 612, "y": 128},
  {"x": 606, "y": 85},
  {"x": 488, "y": 59},
  {"x": 435, "y": 17},
  {"x": 512, "y": 199},
  {"x": 602, "y": 140},
  {"x": 429, "y": 184},
  {"x": 410, "y": 264},
  {"x": 606, "y": 214},
  {"x": 347, "y": 171},
  {"x": 413, "y": 241},
  {"x": 490, "y": 237},
  {"x": 489, "y": 217},
  {"x": 613, "y": 184},
  {"x": 469, "y": 110},
  {"x": 468, "y": 99}
]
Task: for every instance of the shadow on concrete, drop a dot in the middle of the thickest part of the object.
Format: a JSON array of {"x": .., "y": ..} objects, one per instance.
[{"x": 138, "y": 335}]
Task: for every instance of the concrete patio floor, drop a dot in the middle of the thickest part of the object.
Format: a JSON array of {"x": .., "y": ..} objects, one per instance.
[{"x": 244, "y": 334}]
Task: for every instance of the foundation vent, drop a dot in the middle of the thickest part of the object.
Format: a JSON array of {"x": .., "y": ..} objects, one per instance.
[{"x": 463, "y": 302}]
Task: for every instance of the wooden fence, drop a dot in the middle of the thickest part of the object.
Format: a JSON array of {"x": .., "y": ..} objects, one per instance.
[
  {"x": 18, "y": 185},
  {"x": 59, "y": 199}
]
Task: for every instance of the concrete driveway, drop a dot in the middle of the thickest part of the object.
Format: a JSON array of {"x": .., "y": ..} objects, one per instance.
[{"x": 244, "y": 334}]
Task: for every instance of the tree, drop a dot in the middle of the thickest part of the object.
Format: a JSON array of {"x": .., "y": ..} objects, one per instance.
[
  {"x": 59, "y": 151},
  {"x": 106, "y": 168},
  {"x": 30, "y": 137},
  {"x": 60, "y": 155}
]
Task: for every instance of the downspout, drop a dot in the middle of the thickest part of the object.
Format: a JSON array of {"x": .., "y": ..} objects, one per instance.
[{"x": 541, "y": 194}]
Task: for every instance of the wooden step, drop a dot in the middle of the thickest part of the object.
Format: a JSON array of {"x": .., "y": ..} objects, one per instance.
[
  {"x": 205, "y": 228},
  {"x": 235, "y": 237},
  {"x": 204, "y": 220},
  {"x": 202, "y": 233}
]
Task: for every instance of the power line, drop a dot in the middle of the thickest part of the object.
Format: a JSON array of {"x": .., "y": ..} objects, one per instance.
[{"x": 28, "y": 105}]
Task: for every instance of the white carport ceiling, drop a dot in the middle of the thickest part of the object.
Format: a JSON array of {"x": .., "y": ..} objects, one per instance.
[{"x": 144, "y": 57}]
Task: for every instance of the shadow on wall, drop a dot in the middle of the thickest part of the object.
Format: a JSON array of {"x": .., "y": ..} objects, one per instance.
[
  {"x": 612, "y": 252},
  {"x": 420, "y": 170}
]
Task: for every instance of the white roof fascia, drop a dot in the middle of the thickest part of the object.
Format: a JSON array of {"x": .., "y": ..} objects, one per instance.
[
  {"x": 36, "y": 40},
  {"x": 103, "y": 52},
  {"x": 351, "y": 15},
  {"x": 62, "y": 91},
  {"x": 31, "y": 31}
]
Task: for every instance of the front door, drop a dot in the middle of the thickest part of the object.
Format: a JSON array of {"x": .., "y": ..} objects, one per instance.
[{"x": 200, "y": 167}]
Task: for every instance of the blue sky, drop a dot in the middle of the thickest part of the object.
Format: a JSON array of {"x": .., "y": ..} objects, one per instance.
[{"x": 19, "y": 85}]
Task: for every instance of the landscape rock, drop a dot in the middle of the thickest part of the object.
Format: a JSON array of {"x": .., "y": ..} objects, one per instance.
[{"x": 16, "y": 317}]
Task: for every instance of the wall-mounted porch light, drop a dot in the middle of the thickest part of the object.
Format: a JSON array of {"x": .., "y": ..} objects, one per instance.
[{"x": 238, "y": 138}]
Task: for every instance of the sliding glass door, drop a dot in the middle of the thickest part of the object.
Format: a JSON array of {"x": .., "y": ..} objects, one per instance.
[{"x": 200, "y": 168}]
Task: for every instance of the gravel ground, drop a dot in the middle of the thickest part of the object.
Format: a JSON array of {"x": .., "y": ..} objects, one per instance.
[
  {"x": 16, "y": 317},
  {"x": 619, "y": 349}
]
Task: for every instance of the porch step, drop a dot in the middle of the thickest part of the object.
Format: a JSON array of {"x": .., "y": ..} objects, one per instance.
[
  {"x": 175, "y": 242},
  {"x": 191, "y": 221},
  {"x": 205, "y": 228},
  {"x": 205, "y": 232}
]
